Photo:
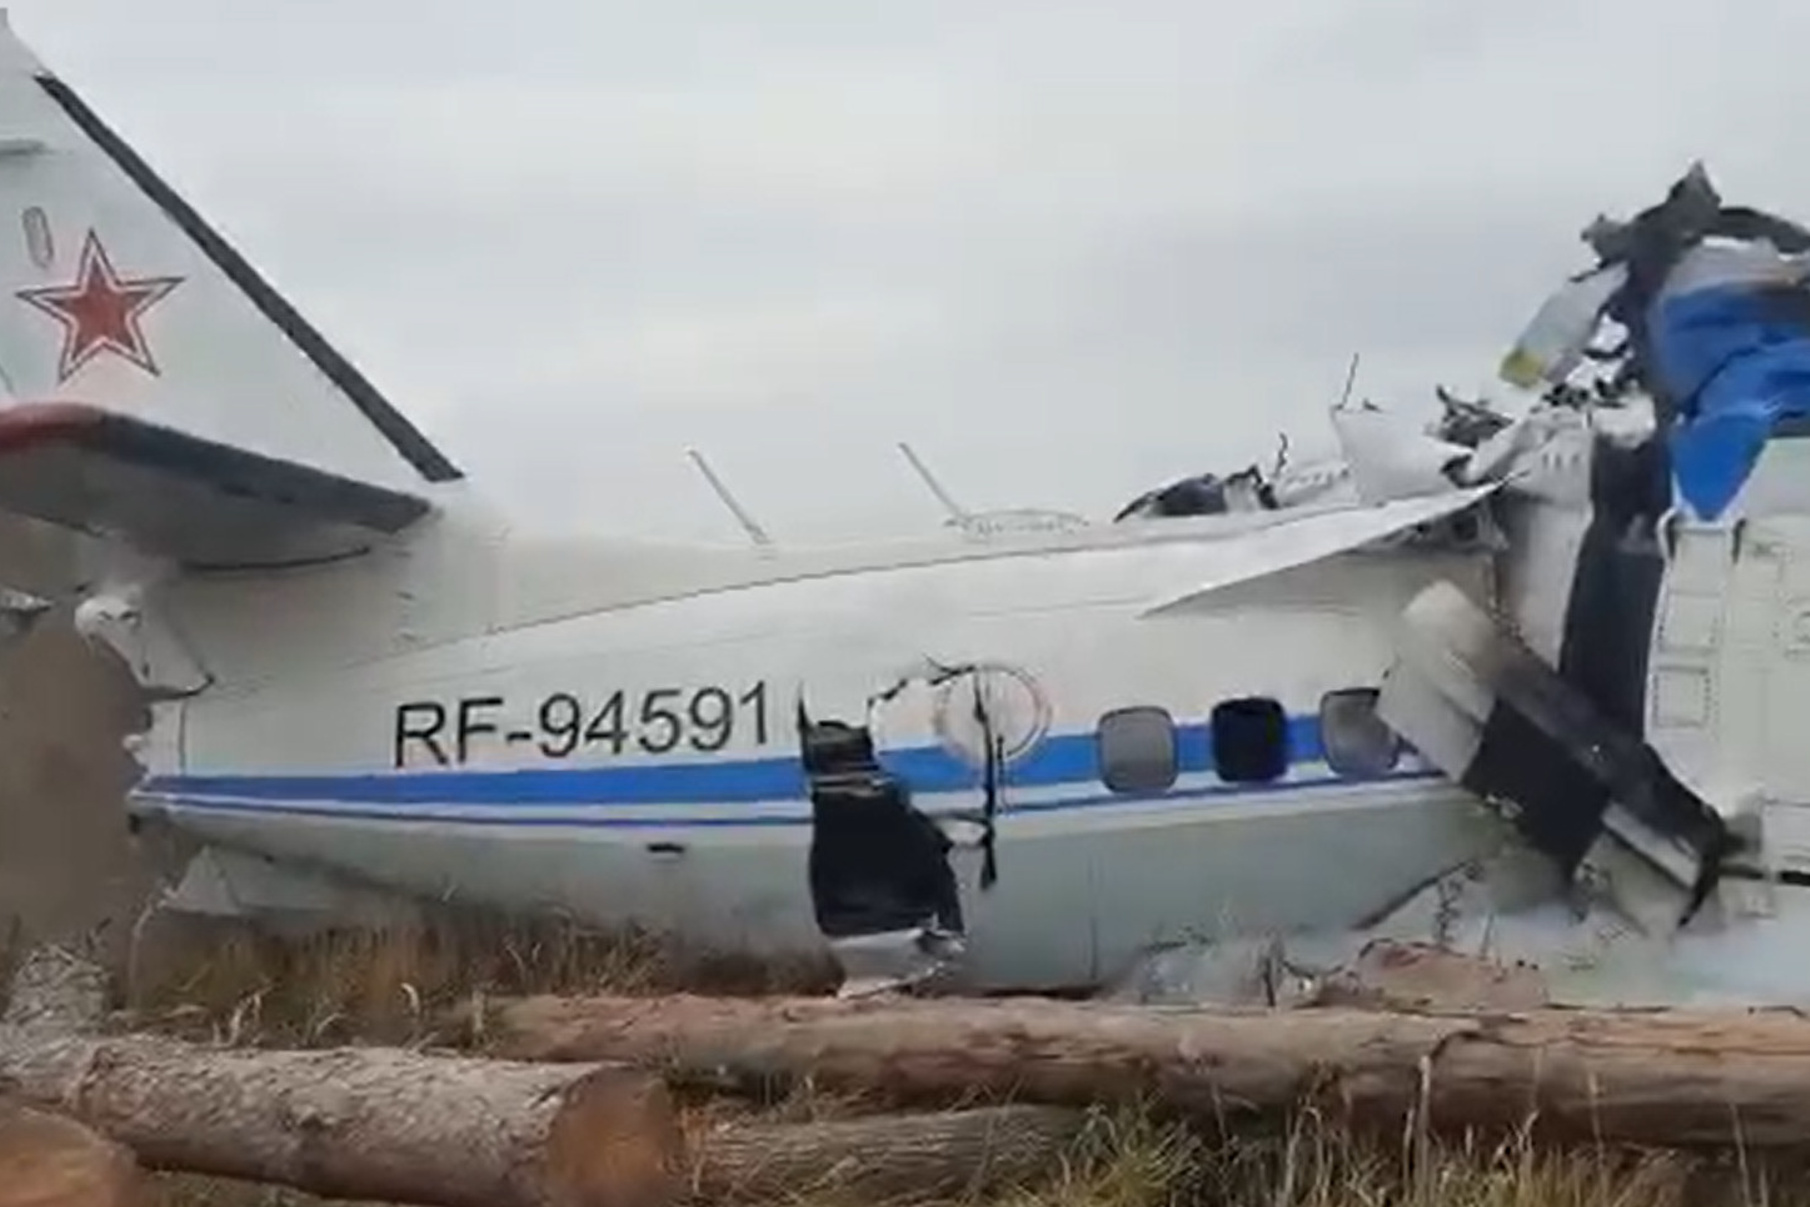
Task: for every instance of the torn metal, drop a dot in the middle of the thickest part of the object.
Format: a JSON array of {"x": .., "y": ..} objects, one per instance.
[{"x": 1612, "y": 699}]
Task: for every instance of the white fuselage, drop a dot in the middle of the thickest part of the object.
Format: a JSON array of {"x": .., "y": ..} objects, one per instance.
[
  {"x": 641, "y": 762},
  {"x": 1174, "y": 724}
]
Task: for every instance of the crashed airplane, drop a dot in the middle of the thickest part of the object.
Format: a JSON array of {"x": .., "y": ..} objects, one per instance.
[
  {"x": 1500, "y": 681},
  {"x": 1625, "y": 691}
]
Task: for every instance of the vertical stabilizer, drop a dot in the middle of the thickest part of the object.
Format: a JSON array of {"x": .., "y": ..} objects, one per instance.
[{"x": 131, "y": 333}]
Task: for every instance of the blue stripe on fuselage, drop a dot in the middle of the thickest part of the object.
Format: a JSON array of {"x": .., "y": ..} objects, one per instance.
[
  {"x": 1216, "y": 793},
  {"x": 1062, "y": 759}
]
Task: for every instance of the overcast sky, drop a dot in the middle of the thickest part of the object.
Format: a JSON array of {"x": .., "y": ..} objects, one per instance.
[{"x": 1068, "y": 250}]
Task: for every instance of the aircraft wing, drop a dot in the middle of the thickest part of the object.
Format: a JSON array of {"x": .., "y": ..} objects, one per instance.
[
  {"x": 190, "y": 498},
  {"x": 1311, "y": 538}
]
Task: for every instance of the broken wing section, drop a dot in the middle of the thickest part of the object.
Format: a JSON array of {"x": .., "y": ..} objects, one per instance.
[
  {"x": 1503, "y": 724},
  {"x": 1300, "y": 542}
]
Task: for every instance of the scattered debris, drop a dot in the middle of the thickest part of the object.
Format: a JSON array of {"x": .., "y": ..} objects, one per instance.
[{"x": 1418, "y": 976}]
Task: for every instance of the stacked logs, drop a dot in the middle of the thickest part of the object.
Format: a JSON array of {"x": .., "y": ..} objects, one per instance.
[
  {"x": 390, "y": 1125},
  {"x": 582, "y": 1101}
]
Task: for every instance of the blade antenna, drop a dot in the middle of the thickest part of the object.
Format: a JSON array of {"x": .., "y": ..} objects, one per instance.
[
  {"x": 1351, "y": 373},
  {"x": 956, "y": 511},
  {"x": 755, "y": 532}
]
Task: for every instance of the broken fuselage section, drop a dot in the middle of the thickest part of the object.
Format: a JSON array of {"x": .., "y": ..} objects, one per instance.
[
  {"x": 1602, "y": 679},
  {"x": 882, "y": 890},
  {"x": 1621, "y": 695},
  {"x": 1627, "y": 691}
]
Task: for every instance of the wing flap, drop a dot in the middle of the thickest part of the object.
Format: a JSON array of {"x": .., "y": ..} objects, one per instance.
[{"x": 1312, "y": 538}]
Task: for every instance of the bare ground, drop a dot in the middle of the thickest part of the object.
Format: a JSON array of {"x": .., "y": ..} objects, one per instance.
[{"x": 68, "y": 867}]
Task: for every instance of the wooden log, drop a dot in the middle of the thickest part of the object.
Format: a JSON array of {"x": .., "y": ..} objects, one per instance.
[
  {"x": 1669, "y": 1078},
  {"x": 885, "y": 1157},
  {"x": 366, "y": 1123},
  {"x": 47, "y": 1160}
]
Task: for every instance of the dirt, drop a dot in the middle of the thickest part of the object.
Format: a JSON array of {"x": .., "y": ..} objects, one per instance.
[{"x": 68, "y": 867}]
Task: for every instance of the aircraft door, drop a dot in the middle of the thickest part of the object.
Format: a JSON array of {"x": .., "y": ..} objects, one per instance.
[
  {"x": 886, "y": 796},
  {"x": 878, "y": 864},
  {"x": 881, "y": 886},
  {"x": 1688, "y": 682},
  {"x": 905, "y": 798},
  {"x": 965, "y": 726}
]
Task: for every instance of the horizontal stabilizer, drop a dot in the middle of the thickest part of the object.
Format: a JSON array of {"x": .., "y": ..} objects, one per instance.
[
  {"x": 199, "y": 502},
  {"x": 1310, "y": 539}
]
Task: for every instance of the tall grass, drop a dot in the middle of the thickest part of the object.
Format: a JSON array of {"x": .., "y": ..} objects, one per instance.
[
  {"x": 1128, "y": 1159},
  {"x": 1132, "y": 1161},
  {"x": 225, "y": 981}
]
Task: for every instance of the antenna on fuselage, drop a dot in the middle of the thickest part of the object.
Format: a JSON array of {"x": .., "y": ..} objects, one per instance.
[
  {"x": 1351, "y": 374},
  {"x": 755, "y": 532},
  {"x": 956, "y": 511}
]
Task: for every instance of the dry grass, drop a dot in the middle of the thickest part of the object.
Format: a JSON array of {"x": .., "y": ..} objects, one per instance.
[
  {"x": 382, "y": 987},
  {"x": 1130, "y": 1160},
  {"x": 226, "y": 982}
]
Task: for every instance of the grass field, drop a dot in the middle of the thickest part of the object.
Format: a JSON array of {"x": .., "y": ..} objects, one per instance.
[{"x": 386, "y": 987}]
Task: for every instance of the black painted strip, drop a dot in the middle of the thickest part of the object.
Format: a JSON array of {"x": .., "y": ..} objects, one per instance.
[
  {"x": 1559, "y": 804},
  {"x": 415, "y": 447},
  {"x": 1609, "y": 618},
  {"x": 1614, "y": 601}
]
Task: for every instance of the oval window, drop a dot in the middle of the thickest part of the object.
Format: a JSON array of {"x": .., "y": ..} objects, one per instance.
[
  {"x": 1137, "y": 750},
  {"x": 1356, "y": 742}
]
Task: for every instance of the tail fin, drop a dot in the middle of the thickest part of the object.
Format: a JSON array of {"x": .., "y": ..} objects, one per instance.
[{"x": 160, "y": 389}]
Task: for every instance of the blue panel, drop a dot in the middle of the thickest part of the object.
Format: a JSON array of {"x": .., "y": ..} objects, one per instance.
[{"x": 1740, "y": 360}]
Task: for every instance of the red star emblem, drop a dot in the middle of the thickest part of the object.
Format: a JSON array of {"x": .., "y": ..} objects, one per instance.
[{"x": 100, "y": 312}]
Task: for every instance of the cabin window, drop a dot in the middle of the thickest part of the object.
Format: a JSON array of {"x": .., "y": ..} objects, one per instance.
[
  {"x": 1356, "y": 742},
  {"x": 1137, "y": 750},
  {"x": 1250, "y": 740}
]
